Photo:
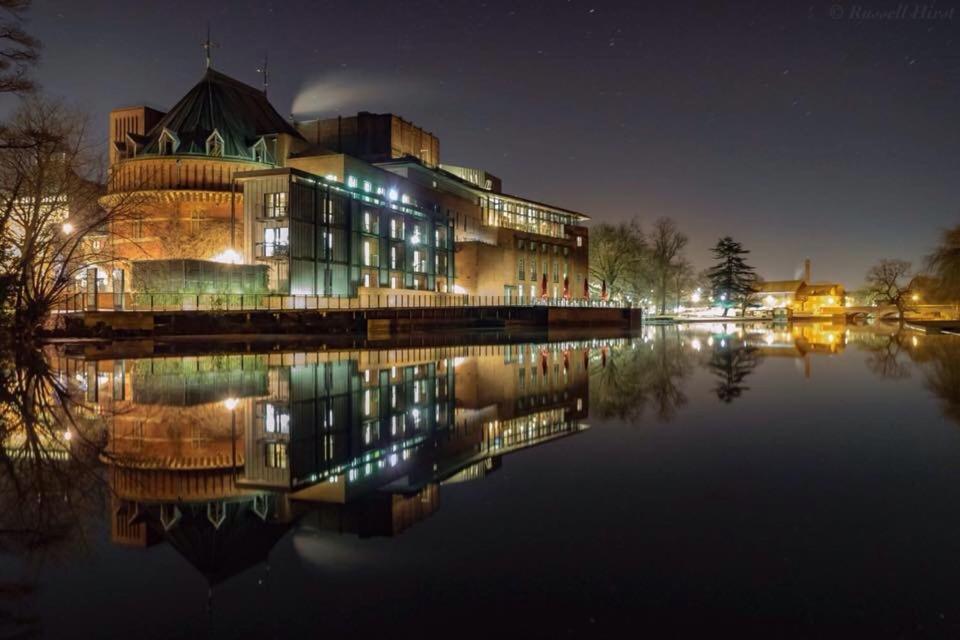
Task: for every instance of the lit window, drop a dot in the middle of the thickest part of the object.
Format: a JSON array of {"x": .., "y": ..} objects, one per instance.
[
  {"x": 352, "y": 182},
  {"x": 579, "y": 241},
  {"x": 276, "y": 455},
  {"x": 275, "y": 420},
  {"x": 367, "y": 186},
  {"x": 392, "y": 195},
  {"x": 275, "y": 205},
  {"x": 275, "y": 241}
]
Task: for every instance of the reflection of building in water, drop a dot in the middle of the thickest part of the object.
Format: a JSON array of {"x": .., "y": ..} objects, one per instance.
[
  {"x": 798, "y": 340},
  {"x": 219, "y": 455}
]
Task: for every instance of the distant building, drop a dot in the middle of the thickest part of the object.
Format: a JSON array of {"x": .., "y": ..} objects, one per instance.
[
  {"x": 346, "y": 206},
  {"x": 802, "y": 296}
]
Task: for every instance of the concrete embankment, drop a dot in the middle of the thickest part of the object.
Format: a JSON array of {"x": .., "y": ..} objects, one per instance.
[{"x": 117, "y": 324}]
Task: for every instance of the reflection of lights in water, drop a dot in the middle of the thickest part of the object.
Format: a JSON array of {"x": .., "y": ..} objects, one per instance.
[
  {"x": 695, "y": 343},
  {"x": 710, "y": 341},
  {"x": 768, "y": 339},
  {"x": 914, "y": 340},
  {"x": 723, "y": 344}
]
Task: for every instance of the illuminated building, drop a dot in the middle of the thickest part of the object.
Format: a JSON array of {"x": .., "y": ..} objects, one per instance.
[
  {"x": 342, "y": 206},
  {"x": 802, "y": 297}
]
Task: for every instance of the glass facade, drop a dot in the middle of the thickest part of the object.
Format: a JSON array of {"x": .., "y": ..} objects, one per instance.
[{"x": 320, "y": 238}]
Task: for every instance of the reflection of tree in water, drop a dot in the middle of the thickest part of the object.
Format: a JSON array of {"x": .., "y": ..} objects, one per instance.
[
  {"x": 48, "y": 482},
  {"x": 635, "y": 374},
  {"x": 886, "y": 356},
  {"x": 732, "y": 365},
  {"x": 940, "y": 360}
]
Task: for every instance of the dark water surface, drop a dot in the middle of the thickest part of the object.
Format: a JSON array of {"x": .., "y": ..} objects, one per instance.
[{"x": 793, "y": 482}]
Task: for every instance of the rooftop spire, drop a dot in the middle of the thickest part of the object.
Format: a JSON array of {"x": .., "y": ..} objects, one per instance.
[{"x": 207, "y": 46}]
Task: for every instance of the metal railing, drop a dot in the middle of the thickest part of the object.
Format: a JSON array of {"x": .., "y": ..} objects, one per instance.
[{"x": 80, "y": 302}]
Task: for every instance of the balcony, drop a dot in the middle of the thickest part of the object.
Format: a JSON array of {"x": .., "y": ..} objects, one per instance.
[
  {"x": 276, "y": 213},
  {"x": 272, "y": 251}
]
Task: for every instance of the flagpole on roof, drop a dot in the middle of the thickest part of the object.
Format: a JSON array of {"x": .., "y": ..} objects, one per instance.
[{"x": 208, "y": 45}]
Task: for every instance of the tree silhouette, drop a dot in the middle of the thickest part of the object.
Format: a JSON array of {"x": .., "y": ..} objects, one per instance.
[
  {"x": 732, "y": 365},
  {"x": 732, "y": 280}
]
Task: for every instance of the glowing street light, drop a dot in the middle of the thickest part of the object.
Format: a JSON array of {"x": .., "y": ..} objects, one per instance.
[
  {"x": 231, "y": 403},
  {"x": 68, "y": 228},
  {"x": 228, "y": 256}
]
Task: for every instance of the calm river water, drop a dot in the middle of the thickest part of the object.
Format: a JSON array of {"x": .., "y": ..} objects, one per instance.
[{"x": 795, "y": 481}]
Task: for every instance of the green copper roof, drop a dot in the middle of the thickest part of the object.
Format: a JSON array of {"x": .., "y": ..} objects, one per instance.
[{"x": 240, "y": 113}]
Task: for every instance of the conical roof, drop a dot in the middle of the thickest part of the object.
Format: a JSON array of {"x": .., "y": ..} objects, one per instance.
[{"x": 240, "y": 113}]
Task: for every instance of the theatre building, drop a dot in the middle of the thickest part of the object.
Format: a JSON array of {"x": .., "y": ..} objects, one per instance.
[{"x": 344, "y": 206}]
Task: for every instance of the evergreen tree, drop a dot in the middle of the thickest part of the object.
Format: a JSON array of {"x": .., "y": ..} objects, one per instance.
[{"x": 732, "y": 280}]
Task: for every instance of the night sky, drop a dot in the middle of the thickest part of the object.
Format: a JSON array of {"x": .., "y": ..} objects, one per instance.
[{"x": 818, "y": 131}]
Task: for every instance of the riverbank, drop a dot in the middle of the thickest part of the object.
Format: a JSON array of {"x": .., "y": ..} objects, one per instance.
[{"x": 144, "y": 324}]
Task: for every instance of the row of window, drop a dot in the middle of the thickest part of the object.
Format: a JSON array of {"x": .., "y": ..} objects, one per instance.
[{"x": 521, "y": 271}]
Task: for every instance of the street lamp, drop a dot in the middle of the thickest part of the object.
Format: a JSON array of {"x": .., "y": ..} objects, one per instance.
[{"x": 68, "y": 228}]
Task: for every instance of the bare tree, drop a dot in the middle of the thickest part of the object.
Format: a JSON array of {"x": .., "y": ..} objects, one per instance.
[
  {"x": 19, "y": 51},
  {"x": 52, "y": 225},
  {"x": 944, "y": 262},
  {"x": 617, "y": 254},
  {"x": 885, "y": 285},
  {"x": 666, "y": 254}
]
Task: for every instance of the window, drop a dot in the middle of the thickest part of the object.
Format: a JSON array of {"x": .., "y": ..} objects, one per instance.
[
  {"x": 168, "y": 143},
  {"x": 579, "y": 241},
  {"x": 519, "y": 243},
  {"x": 520, "y": 270},
  {"x": 352, "y": 182},
  {"x": 138, "y": 227},
  {"x": 370, "y": 256},
  {"x": 196, "y": 220},
  {"x": 533, "y": 269},
  {"x": 367, "y": 186},
  {"x": 215, "y": 145},
  {"x": 393, "y": 258},
  {"x": 259, "y": 151},
  {"x": 275, "y": 205},
  {"x": 370, "y": 222},
  {"x": 275, "y": 241},
  {"x": 276, "y": 420},
  {"x": 276, "y": 455},
  {"x": 556, "y": 272}
]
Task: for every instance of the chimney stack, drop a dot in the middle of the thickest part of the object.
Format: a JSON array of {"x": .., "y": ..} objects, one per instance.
[{"x": 806, "y": 270}]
